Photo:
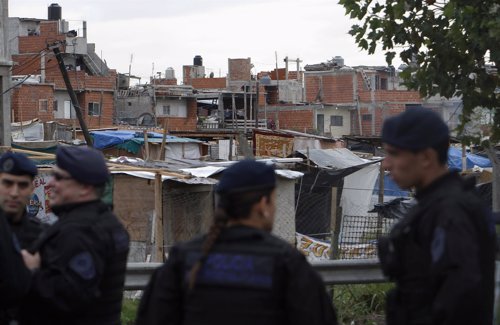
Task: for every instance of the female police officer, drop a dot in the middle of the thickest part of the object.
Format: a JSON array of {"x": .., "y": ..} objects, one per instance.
[{"x": 238, "y": 273}]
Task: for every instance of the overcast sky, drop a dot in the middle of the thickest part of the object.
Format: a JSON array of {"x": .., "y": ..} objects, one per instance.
[{"x": 169, "y": 33}]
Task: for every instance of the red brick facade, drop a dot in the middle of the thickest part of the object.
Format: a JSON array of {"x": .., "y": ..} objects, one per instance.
[
  {"x": 89, "y": 88},
  {"x": 33, "y": 101},
  {"x": 239, "y": 69},
  {"x": 182, "y": 123},
  {"x": 208, "y": 83},
  {"x": 296, "y": 119},
  {"x": 348, "y": 89}
]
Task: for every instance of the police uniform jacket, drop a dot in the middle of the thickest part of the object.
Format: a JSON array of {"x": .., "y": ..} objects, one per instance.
[
  {"x": 27, "y": 230},
  {"x": 250, "y": 277},
  {"x": 441, "y": 256},
  {"x": 82, "y": 274},
  {"x": 14, "y": 276}
]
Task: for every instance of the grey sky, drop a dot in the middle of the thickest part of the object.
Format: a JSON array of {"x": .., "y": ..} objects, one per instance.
[{"x": 169, "y": 33}]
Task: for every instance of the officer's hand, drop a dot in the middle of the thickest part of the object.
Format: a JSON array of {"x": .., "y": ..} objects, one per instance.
[{"x": 32, "y": 261}]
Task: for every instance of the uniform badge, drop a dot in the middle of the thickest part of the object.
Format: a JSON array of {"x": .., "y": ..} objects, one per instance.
[
  {"x": 83, "y": 265},
  {"x": 8, "y": 165}
]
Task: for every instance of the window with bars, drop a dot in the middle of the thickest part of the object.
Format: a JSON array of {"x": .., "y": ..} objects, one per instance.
[
  {"x": 336, "y": 120},
  {"x": 366, "y": 117},
  {"x": 43, "y": 105}
]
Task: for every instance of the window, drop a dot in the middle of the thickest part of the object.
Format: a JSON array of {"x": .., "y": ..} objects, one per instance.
[
  {"x": 54, "y": 105},
  {"x": 380, "y": 83},
  {"x": 165, "y": 110},
  {"x": 366, "y": 117},
  {"x": 129, "y": 103},
  {"x": 336, "y": 120},
  {"x": 43, "y": 105},
  {"x": 94, "y": 109}
]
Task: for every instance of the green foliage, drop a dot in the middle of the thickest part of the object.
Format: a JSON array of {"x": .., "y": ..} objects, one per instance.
[
  {"x": 447, "y": 44},
  {"x": 129, "y": 310},
  {"x": 363, "y": 304}
]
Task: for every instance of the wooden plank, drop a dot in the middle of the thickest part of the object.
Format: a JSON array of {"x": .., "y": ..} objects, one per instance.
[{"x": 159, "y": 255}]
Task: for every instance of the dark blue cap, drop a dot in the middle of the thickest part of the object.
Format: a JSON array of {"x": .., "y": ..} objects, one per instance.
[
  {"x": 246, "y": 175},
  {"x": 17, "y": 164},
  {"x": 415, "y": 129},
  {"x": 86, "y": 165}
]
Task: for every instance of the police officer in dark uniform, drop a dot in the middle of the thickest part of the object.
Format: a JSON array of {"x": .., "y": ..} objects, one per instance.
[
  {"x": 16, "y": 188},
  {"x": 238, "y": 273},
  {"x": 440, "y": 255},
  {"x": 83, "y": 255}
]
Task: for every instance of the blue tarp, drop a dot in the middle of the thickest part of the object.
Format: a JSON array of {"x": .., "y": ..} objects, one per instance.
[
  {"x": 455, "y": 160},
  {"x": 106, "y": 139},
  {"x": 390, "y": 188}
]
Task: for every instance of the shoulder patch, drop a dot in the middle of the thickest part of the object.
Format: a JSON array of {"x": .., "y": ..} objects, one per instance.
[
  {"x": 237, "y": 270},
  {"x": 438, "y": 244},
  {"x": 83, "y": 265}
]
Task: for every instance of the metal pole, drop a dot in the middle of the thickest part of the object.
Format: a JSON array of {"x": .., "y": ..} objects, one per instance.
[{"x": 72, "y": 96}]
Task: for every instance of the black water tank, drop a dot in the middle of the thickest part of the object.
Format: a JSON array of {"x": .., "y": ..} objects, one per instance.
[
  {"x": 54, "y": 12},
  {"x": 198, "y": 60}
]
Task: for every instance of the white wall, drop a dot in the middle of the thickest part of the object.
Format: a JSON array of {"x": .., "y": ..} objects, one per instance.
[
  {"x": 336, "y": 131},
  {"x": 178, "y": 108}
]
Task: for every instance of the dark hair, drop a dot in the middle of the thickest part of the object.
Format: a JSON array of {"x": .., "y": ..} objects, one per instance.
[
  {"x": 442, "y": 150},
  {"x": 231, "y": 206}
]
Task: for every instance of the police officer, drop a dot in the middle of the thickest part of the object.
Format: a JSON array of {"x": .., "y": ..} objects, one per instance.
[
  {"x": 441, "y": 254},
  {"x": 83, "y": 255},
  {"x": 238, "y": 273},
  {"x": 16, "y": 187}
]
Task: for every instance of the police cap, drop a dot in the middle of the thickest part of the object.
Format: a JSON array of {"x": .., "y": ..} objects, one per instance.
[
  {"x": 246, "y": 175},
  {"x": 84, "y": 164},
  {"x": 415, "y": 129},
  {"x": 17, "y": 164}
]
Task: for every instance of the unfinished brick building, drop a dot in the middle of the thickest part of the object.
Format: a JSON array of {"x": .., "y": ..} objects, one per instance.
[
  {"x": 355, "y": 100},
  {"x": 41, "y": 92}
]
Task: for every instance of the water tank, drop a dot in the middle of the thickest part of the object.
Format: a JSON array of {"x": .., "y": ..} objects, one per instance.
[
  {"x": 170, "y": 73},
  {"x": 265, "y": 80},
  {"x": 338, "y": 60},
  {"x": 198, "y": 60},
  {"x": 55, "y": 12}
]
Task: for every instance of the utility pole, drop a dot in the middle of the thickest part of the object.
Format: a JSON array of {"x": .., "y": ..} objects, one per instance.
[
  {"x": 5, "y": 79},
  {"x": 72, "y": 94}
]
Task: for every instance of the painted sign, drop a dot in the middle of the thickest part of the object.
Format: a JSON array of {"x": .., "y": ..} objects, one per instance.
[{"x": 39, "y": 204}]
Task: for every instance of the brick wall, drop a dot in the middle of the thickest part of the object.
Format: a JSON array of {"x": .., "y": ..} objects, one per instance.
[
  {"x": 26, "y": 101},
  {"x": 239, "y": 69},
  {"x": 186, "y": 75},
  {"x": 36, "y": 43},
  {"x": 208, "y": 83},
  {"x": 106, "y": 102},
  {"x": 292, "y": 74},
  {"x": 182, "y": 123},
  {"x": 163, "y": 81},
  {"x": 296, "y": 119},
  {"x": 89, "y": 88},
  {"x": 379, "y": 114},
  {"x": 329, "y": 88}
]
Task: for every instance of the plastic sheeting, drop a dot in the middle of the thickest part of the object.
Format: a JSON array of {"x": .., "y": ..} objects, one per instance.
[
  {"x": 455, "y": 160},
  {"x": 104, "y": 139},
  {"x": 183, "y": 151},
  {"x": 32, "y": 131},
  {"x": 358, "y": 190}
]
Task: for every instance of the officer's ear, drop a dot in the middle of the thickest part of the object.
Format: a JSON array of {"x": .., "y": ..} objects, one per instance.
[{"x": 428, "y": 157}]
